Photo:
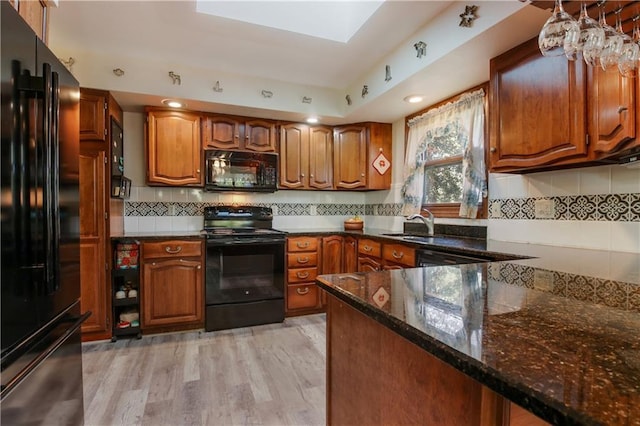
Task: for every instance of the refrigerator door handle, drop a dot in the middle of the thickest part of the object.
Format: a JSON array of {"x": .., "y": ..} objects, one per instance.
[
  {"x": 51, "y": 209},
  {"x": 15, "y": 381}
]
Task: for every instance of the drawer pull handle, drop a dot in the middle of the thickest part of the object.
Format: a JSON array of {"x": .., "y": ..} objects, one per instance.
[
  {"x": 302, "y": 291},
  {"x": 396, "y": 255},
  {"x": 169, "y": 250},
  {"x": 303, "y": 259},
  {"x": 302, "y": 274},
  {"x": 367, "y": 248},
  {"x": 303, "y": 245}
]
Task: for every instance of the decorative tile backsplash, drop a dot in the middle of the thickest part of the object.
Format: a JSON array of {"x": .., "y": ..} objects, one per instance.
[
  {"x": 605, "y": 207},
  {"x": 161, "y": 208},
  {"x": 616, "y": 294}
]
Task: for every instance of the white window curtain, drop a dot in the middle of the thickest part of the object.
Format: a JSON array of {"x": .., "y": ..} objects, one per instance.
[{"x": 466, "y": 114}]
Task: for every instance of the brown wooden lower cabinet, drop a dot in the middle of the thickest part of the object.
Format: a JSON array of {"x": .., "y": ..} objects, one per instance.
[
  {"x": 389, "y": 380},
  {"x": 302, "y": 296},
  {"x": 172, "y": 287}
]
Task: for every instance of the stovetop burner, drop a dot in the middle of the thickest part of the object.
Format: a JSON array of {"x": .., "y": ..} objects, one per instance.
[{"x": 240, "y": 224}]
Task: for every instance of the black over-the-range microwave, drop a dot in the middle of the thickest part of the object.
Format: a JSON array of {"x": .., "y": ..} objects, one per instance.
[{"x": 241, "y": 171}]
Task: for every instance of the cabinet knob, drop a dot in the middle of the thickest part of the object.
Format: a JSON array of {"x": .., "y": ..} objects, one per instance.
[
  {"x": 303, "y": 259},
  {"x": 237, "y": 136},
  {"x": 310, "y": 176},
  {"x": 199, "y": 267},
  {"x": 302, "y": 275},
  {"x": 493, "y": 149},
  {"x": 197, "y": 170},
  {"x": 397, "y": 255},
  {"x": 303, "y": 245},
  {"x": 302, "y": 175},
  {"x": 362, "y": 174},
  {"x": 622, "y": 109},
  {"x": 169, "y": 250},
  {"x": 367, "y": 248}
]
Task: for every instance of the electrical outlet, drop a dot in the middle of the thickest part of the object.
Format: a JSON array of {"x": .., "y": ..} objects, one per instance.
[
  {"x": 544, "y": 209},
  {"x": 543, "y": 280}
]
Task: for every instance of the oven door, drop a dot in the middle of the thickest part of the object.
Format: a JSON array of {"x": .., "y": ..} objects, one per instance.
[{"x": 240, "y": 273}]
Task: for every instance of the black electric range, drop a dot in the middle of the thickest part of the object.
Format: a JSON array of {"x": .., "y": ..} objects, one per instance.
[{"x": 244, "y": 267}]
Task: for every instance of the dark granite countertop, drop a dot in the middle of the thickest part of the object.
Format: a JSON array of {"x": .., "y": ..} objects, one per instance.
[
  {"x": 563, "y": 345},
  {"x": 158, "y": 235}
]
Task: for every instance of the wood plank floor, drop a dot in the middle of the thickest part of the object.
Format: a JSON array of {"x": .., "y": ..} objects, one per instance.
[{"x": 266, "y": 375}]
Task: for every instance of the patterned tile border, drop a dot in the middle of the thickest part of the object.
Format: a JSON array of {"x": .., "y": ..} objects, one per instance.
[
  {"x": 158, "y": 208},
  {"x": 610, "y": 207},
  {"x": 615, "y": 294},
  {"x": 605, "y": 207}
]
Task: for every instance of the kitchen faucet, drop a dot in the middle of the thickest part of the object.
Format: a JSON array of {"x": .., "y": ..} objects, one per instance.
[{"x": 428, "y": 222}]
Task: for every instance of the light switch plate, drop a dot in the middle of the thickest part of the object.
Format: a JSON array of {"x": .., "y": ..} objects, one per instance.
[{"x": 544, "y": 209}]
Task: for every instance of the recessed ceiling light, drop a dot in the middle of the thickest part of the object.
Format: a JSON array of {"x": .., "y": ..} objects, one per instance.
[
  {"x": 414, "y": 99},
  {"x": 312, "y": 120},
  {"x": 173, "y": 103}
]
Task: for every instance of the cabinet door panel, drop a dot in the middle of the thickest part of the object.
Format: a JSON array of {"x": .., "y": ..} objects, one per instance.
[
  {"x": 368, "y": 264},
  {"x": 260, "y": 136},
  {"x": 350, "y": 157},
  {"x": 294, "y": 154},
  {"x": 320, "y": 157},
  {"x": 174, "y": 148},
  {"x": 92, "y": 116},
  {"x": 92, "y": 187},
  {"x": 350, "y": 255},
  {"x": 221, "y": 132},
  {"x": 93, "y": 290},
  {"x": 613, "y": 110},
  {"x": 538, "y": 110},
  {"x": 171, "y": 292},
  {"x": 332, "y": 253}
]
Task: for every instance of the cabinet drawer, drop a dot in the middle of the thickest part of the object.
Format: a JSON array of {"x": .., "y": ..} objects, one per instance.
[
  {"x": 302, "y": 244},
  {"x": 300, "y": 275},
  {"x": 399, "y": 253},
  {"x": 172, "y": 248},
  {"x": 301, "y": 296},
  {"x": 302, "y": 260},
  {"x": 369, "y": 247}
]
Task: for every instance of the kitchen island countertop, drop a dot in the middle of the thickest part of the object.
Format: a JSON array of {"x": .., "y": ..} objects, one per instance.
[{"x": 561, "y": 339}]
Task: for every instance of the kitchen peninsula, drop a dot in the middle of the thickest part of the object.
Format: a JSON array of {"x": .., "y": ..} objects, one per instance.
[{"x": 456, "y": 344}]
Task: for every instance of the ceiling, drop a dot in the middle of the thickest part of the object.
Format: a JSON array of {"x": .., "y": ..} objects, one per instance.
[{"x": 174, "y": 32}]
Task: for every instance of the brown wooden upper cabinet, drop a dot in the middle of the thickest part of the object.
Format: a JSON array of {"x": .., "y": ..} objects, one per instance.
[
  {"x": 306, "y": 157},
  {"x": 362, "y": 156},
  {"x": 232, "y": 132},
  {"x": 93, "y": 112},
  {"x": 613, "y": 112},
  {"x": 173, "y": 148},
  {"x": 548, "y": 112},
  {"x": 35, "y": 13}
]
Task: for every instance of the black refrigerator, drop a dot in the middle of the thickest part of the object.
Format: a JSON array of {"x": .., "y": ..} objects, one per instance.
[{"x": 39, "y": 225}]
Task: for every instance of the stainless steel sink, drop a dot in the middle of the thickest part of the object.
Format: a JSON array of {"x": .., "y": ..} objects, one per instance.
[
  {"x": 410, "y": 237},
  {"x": 419, "y": 238}
]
